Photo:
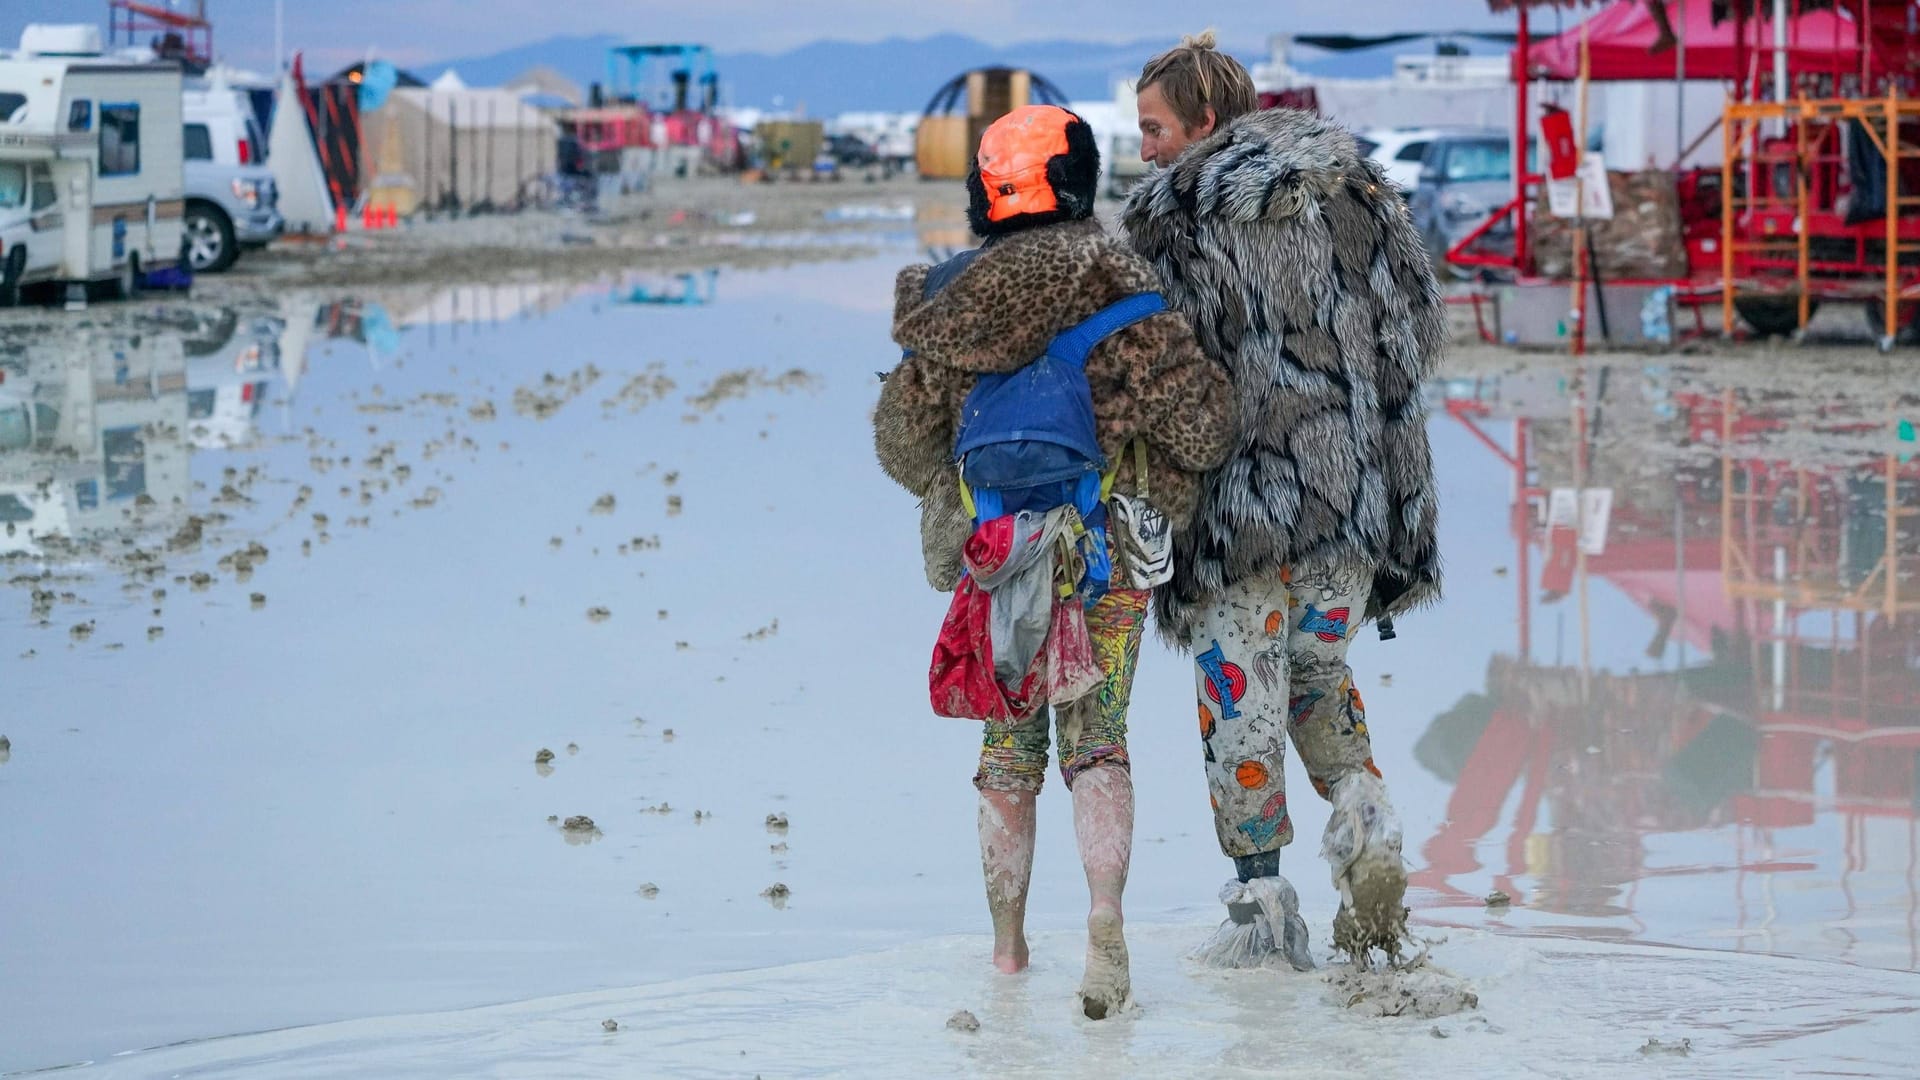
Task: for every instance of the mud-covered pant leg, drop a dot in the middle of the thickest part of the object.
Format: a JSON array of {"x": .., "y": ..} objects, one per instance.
[
  {"x": 1325, "y": 716},
  {"x": 1092, "y": 730},
  {"x": 1240, "y": 673}
]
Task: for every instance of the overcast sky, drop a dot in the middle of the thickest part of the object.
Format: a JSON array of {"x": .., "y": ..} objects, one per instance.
[{"x": 333, "y": 32}]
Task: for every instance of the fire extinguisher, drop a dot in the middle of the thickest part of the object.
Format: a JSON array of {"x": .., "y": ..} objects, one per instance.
[{"x": 1556, "y": 130}]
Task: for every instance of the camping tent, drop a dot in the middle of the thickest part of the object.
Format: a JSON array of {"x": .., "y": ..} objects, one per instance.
[
  {"x": 457, "y": 145},
  {"x": 1621, "y": 38}
]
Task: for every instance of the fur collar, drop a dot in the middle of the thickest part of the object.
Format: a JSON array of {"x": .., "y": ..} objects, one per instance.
[{"x": 1269, "y": 165}]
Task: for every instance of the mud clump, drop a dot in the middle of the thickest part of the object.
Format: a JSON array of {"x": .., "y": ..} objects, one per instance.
[
  {"x": 1498, "y": 899},
  {"x": 258, "y": 600},
  {"x": 674, "y": 505},
  {"x": 666, "y": 735},
  {"x": 1415, "y": 988},
  {"x": 543, "y": 756},
  {"x": 82, "y": 631},
  {"x": 6, "y": 749},
  {"x": 609, "y": 1025},
  {"x": 776, "y": 894},
  {"x": 963, "y": 1021},
  {"x": 188, "y": 534},
  {"x": 482, "y": 412},
  {"x": 598, "y": 614},
  {"x": 763, "y": 633},
  {"x": 154, "y": 633},
  {"x": 739, "y": 384},
  {"x": 641, "y": 390},
  {"x": 602, "y": 505},
  {"x": 776, "y": 823},
  {"x": 1654, "y": 1047},
  {"x": 649, "y": 890},
  {"x": 552, "y": 393},
  {"x": 573, "y": 748}
]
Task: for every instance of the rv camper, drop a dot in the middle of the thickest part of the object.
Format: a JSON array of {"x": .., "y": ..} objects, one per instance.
[{"x": 90, "y": 162}]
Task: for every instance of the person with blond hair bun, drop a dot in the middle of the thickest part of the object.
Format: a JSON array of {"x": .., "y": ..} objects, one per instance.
[{"x": 1302, "y": 273}]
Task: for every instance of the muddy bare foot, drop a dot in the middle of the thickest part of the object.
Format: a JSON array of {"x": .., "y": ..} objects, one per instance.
[
  {"x": 1107, "y": 988},
  {"x": 1009, "y": 950}
]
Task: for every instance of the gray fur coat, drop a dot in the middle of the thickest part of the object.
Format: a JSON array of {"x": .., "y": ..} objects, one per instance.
[{"x": 1300, "y": 268}]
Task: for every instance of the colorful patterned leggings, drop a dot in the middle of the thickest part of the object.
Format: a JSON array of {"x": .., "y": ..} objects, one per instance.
[
  {"x": 1271, "y": 662},
  {"x": 1092, "y": 730}
]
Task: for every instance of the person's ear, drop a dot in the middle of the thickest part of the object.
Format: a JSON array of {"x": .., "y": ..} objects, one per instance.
[{"x": 1212, "y": 125}]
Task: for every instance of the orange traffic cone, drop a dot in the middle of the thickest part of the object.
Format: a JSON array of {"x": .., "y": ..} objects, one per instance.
[{"x": 340, "y": 218}]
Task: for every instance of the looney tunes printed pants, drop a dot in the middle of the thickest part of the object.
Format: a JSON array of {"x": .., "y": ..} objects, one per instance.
[
  {"x": 1270, "y": 661},
  {"x": 1091, "y": 731}
]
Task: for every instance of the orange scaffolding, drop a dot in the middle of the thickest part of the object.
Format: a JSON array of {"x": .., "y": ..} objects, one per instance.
[{"x": 1782, "y": 233}]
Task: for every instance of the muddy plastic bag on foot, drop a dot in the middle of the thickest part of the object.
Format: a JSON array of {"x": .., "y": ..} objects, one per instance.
[
  {"x": 1362, "y": 846},
  {"x": 1263, "y": 928}
]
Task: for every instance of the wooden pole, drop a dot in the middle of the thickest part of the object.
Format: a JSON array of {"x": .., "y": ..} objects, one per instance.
[
  {"x": 1727, "y": 143},
  {"x": 1680, "y": 93},
  {"x": 1804, "y": 227},
  {"x": 1580, "y": 238},
  {"x": 1892, "y": 313}
]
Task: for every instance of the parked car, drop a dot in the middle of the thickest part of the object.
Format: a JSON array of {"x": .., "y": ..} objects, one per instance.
[
  {"x": 1399, "y": 151},
  {"x": 851, "y": 151},
  {"x": 1464, "y": 177},
  {"x": 232, "y": 204}
]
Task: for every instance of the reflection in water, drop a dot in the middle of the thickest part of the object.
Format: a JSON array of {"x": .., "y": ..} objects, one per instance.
[
  {"x": 87, "y": 432},
  {"x": 682, "y": 290},
  {"x": 99, "y": 424},
  {"x": 1751, "y": 747}
]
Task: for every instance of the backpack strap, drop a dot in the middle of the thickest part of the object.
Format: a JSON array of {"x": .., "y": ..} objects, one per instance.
[
  {"x": 1139, "y": 471},
  {"x": 1074, "y": 343}
]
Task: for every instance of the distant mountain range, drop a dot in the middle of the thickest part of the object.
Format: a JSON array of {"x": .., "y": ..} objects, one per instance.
[{"x": 895, "y": 75}]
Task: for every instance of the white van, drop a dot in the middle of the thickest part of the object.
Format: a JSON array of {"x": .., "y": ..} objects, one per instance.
[{"x": 90, "y": 162}]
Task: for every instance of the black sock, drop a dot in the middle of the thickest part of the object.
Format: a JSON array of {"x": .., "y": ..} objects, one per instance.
[{"x": 1265, "y": 864}]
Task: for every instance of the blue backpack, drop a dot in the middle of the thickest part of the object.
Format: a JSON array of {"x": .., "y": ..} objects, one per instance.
[{"x": 1027, "y": 439}]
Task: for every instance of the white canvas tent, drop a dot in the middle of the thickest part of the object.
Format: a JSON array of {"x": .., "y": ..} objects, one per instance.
[{"x": 461, "y": 146}]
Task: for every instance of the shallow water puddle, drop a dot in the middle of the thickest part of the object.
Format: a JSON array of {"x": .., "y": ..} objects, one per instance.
[{"x": 648, "y": 537}]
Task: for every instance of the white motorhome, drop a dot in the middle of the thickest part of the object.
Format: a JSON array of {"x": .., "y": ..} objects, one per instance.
[{"x": 90, "y": 162}]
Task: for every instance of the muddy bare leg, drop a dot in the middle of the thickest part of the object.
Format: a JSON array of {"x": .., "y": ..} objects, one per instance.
[
  {"x": 1103, "y": 824},
  {"x": 1006, "y": 860}
]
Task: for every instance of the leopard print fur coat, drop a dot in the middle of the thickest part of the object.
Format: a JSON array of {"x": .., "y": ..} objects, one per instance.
[
  {"x": 1150, "y": 380},
  {"x": 1299, "y": 266}
]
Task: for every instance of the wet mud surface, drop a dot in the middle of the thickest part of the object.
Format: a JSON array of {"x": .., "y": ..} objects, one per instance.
[{"x": 294, "y": 581}]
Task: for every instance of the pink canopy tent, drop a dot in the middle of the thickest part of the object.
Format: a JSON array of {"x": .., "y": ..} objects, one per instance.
[{"x": 1621, "y": 38}]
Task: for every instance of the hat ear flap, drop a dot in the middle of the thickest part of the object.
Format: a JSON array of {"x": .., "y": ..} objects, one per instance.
[
  {"x": 977, "y": 206},
  {"x": 1075, "y": 175}
]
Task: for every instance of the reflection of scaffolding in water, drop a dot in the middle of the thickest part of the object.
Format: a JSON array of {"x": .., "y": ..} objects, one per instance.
[
  {"x": 1599, "y": 754},
  {"x": 1791, "y": 535}
]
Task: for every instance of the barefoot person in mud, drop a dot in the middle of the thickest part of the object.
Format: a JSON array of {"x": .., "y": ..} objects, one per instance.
[
  {"x": 1054, "y": 419},
  {"x": 1300, "y": 269}
]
